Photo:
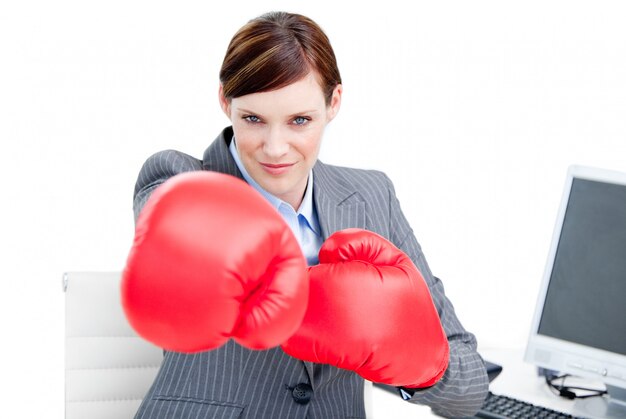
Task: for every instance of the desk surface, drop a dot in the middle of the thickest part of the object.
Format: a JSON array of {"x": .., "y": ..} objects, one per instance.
[{"x": 518, "y": 379}]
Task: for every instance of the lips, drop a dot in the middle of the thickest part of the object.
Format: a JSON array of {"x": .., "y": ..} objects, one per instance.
[
  {"x": 276, "y": 169},
  {"x": 276, "y": 166}
]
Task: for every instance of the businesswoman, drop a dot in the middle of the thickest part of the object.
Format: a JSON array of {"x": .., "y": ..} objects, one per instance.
[{"x": 280, "y": 86}]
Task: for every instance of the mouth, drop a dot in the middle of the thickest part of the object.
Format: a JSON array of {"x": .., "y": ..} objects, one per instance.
[{"x": 277, "y": 169}]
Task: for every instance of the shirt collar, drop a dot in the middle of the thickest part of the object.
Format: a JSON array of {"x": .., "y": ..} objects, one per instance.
[{"x": 306, "y": 209}]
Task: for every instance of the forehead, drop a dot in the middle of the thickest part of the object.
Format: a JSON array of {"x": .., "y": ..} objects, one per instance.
[{"x": 304, "y": 94}]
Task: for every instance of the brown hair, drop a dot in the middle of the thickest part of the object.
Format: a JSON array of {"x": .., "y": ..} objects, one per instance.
[{"x": 275, "y": 50}]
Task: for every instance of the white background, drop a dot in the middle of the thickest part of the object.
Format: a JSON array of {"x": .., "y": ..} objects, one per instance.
[{"x": 473, "y": 108}]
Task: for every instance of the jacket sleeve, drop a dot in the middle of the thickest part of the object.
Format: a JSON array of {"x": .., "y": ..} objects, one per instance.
[
  {"x": 463, "y": 388},
  {"x": 157, "y": 169}
]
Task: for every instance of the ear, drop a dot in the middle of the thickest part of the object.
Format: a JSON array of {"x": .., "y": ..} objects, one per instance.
[
  {"x": 335, "y": 103},
  {"x": 224, "y": 103}
]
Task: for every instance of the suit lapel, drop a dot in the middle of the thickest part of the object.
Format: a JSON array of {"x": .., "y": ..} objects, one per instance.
[{"x": 339, "y": 205}]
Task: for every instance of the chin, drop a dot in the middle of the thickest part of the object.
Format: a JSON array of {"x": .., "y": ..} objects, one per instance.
[
  {"x": 273, "y": 188},
  {"x": 278, "y": 192}
]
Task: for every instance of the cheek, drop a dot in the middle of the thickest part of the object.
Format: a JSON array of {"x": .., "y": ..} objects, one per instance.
[
  {"x": 247, "y": 139},
  {"x": 315, "y": 139},
  {"x": 310, "y": 145}
]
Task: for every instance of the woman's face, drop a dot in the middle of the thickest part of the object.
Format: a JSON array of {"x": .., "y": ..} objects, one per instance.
[{"x": 279, "y": 133}]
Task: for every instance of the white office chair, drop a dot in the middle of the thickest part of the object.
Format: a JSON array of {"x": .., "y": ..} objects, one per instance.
[{"x": 108, "y": 368}]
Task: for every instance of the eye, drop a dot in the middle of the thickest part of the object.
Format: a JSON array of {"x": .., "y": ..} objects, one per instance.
[
  {"x": 253, "y": 119},
  {"x": 301, "y": 120}
]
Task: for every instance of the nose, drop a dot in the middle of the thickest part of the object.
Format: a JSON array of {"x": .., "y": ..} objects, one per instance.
[{"x": 276, "y": 143}]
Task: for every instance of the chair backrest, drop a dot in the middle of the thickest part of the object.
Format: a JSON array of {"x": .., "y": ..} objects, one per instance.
[{"x": 108, "y": 368}]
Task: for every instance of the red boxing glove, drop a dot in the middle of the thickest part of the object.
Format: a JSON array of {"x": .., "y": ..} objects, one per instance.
[
  {"x": 370, "y": 311},
  {"x": 211, "y": 260}
]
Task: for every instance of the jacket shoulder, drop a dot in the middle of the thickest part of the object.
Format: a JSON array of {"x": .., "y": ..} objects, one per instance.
[
  {"x": 157, "y": 169},
  {"x": 164, "y": 164}
]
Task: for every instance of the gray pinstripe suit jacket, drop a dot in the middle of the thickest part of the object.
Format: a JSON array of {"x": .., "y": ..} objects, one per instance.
[{"x": 234, "y": 382}]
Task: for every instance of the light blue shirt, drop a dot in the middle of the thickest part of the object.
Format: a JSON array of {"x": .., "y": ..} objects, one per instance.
[{"x": 304, "y": 222}]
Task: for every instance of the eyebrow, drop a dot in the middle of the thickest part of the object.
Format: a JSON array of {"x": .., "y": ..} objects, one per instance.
[{"x": 246, "y": 111}]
